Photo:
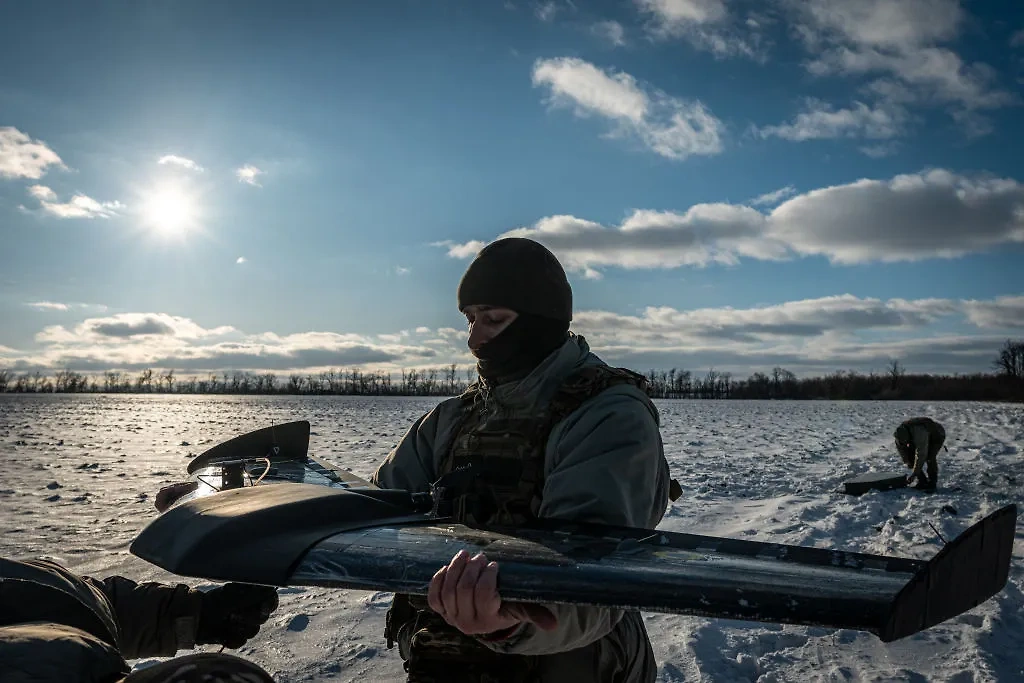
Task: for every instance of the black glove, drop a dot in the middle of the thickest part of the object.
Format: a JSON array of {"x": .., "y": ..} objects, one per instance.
[{"x": 233, "y": 613}]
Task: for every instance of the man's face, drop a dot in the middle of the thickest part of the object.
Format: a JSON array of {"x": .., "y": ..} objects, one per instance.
[{"x": 486, "y": 323}]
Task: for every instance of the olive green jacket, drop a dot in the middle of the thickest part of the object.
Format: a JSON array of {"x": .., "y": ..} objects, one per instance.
[
  {"x": 604, "y": 463},
  {"x": 925, "y": 438},
  {"x": 58, "y": 626}
]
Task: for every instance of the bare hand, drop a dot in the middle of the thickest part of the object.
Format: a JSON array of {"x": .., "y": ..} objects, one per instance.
[{"x": 465, "y": 593}]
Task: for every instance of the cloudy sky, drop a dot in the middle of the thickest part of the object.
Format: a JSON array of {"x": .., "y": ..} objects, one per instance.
[{"x": 819, "y": 184}]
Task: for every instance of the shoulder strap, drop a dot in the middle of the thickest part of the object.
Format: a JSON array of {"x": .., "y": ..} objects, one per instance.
[{"x": 586, "y": 383}]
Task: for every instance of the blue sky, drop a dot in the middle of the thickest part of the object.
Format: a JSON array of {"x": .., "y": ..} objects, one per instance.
[{"x": 823, "y": 185}]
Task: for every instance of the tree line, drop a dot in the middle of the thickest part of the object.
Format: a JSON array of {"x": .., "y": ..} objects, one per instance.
[{"x": 1006, "y": 383}]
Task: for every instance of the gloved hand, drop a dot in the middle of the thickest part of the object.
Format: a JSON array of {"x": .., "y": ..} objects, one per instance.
[
  {"x": 167, "y": 496},
  {"x": 233, "y": 613}
]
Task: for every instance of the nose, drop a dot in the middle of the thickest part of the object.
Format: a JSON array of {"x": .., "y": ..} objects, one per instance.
[{"x": 477, "y": 337}]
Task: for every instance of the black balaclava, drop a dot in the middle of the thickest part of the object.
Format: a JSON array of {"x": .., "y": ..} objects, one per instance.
[
  {"x": 522, "y": 275},
  {"x": 520, "y": 348}
]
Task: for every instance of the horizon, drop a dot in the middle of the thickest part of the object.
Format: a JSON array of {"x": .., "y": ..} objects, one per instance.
[{"x": 737, "y": 185}]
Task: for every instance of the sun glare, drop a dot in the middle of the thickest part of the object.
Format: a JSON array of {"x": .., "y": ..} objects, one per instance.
[{"x": 169, "y": 210}]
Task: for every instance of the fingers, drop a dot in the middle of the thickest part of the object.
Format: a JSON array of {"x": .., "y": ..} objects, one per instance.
[
  {"x": 466, "y": 592},
  {"x": 449, "y": 596},
  {"x": 488, "y": 602},
  {"x": 434, "y": 591}
]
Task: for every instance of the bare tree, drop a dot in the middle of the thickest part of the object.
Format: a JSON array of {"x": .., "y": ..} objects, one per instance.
[
  {"x": 144, "y": 382},
  {"x": 896, "y": 371},
  {"x": 111, "y": 381},
  {"x": 1011, "y": 359}
]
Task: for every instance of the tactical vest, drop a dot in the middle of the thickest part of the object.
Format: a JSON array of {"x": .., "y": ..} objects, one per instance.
[{"x": 492, "y": 474}]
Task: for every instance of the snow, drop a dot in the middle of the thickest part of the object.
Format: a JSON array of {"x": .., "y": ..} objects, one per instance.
[{"x": 79, "y": 474}]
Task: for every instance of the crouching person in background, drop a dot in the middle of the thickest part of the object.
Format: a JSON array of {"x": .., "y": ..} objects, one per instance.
[
  {"x": 59, "y": 627},
  {"x": 918, "y": 441}
]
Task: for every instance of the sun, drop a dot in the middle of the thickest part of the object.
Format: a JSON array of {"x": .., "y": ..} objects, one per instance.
[{"x": 169, "y": 210}]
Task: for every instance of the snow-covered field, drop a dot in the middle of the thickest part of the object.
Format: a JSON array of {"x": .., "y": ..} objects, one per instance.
[{"x": 78, "y": 475}]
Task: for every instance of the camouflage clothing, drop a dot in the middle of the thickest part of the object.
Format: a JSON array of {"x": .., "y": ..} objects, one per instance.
[
  {"x": 918, "y": 441},
  {"x": 604, "y": 464},
  {"x": 59, "y": 627}
]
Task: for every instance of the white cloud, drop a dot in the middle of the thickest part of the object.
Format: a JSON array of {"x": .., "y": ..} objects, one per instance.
[
  {"x": 927, "y": 353},
  {"x": 48, "y": 306},
  {"x": 546, "y": 11},
  {"x": 240, "y": 259},
  {"x": 705, "y": 233},
  {"x": 467, "y": 250},
  {"x": 669, "y": 126},
  {"x": 799, "y": 319},
  {"x": 819, "y": 121},
  {"x": 611, "y": 32},
  {"x": 402, "y": 270},
  {"x": 23, "y": 157},
  {"x": 705, "y": 24},
  {"x": 450, "y": 333},
  {"x": 1002, "y": 312},
  {"x": 933, "y": 73},
  {"x": 678, "y": 13},
  {"x": 57, "y": 306},
  {"x": 42, "y": 193},
  {"x": 248, "y": 174},
  {"x": 138, "y": 340},
  {"x": 827, "y": 333},
  {"x": 932, "y": 214},
  {"x": 881, "y": 150},
  {"x": 117, "y": 328},
  {"x": 902, "y": 42},
  {"x": 1017, "y": 39},
  {"x": 80, "y": 205},
  {"x": 882, "y": 23},
  {"x": 576, "y": 82},
  {"x": 769, "y": 198},
  {"x": 175, "y": 160},
  {"x": 813, "y": 336},
  {"x": 910, "y": 217}
]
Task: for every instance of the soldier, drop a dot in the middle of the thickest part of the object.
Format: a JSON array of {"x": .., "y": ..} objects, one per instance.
[
  {"x": 548, "y": 430},
  {"x": 59, "y": 627},
  {"x": 918, "y": 441}
]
